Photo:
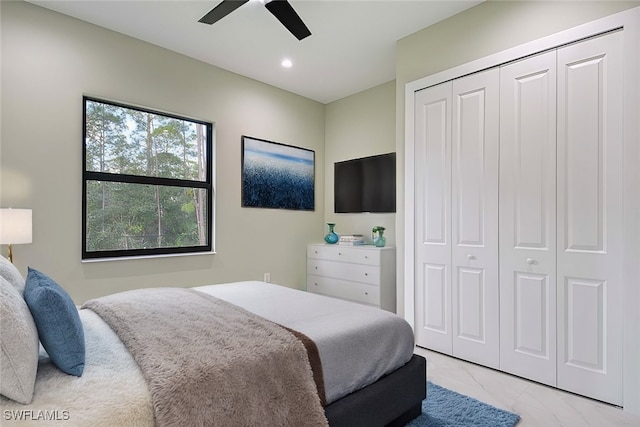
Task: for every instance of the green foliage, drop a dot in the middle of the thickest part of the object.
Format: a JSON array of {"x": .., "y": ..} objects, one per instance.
[{"x": 137, "y": 216}]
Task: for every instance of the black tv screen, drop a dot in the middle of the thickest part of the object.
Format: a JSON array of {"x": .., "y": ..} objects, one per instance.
[{"x": 367, "y": 184}]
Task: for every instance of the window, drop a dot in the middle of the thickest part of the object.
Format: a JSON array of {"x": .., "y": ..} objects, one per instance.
[{"x": 147, "y": 186}]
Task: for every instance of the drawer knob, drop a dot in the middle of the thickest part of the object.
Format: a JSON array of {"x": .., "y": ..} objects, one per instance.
[
  {"x": 366, "y": 274},
  {"x": 315, "y": 284},
  {"x": 339, "y": 253},
  {"x": 366, "y": 257},
  {"x": 470, "y": 257},
  {"x": 531, "y": 261},
  {"x": 366, "y": 293},
  {"x": 316, "y": 267}
]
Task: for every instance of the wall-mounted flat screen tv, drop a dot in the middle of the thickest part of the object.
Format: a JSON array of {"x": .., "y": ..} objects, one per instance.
[{"x": 367, "y": 184}]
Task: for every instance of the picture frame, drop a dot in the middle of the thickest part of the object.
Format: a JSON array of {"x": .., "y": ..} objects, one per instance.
[{"x": 277, "y": 176}]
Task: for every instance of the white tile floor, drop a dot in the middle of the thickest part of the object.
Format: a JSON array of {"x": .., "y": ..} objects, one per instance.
[{"x": 537, "y": 405}]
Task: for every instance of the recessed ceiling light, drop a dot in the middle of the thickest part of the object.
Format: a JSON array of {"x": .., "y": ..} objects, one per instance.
[{"x": 286, "y": 63}]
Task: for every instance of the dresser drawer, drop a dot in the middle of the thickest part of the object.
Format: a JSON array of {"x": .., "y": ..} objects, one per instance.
[
  {"x": 344, "y": 254},
  {"x": 364, "y": 274},
  {"x": 358, "y": 292},
  {"x": 338, "y": 270}
]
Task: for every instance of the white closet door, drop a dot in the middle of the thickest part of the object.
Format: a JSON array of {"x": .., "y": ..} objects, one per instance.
[
  {"x": 590, "y": 218},
  {"x": 433, "y": 218},
  {"x": 528, "y": 218},
  {"x": 474, "y": 213}
]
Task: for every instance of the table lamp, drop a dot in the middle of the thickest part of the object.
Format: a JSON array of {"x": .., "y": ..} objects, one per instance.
[{"x": 15, "y": 228}]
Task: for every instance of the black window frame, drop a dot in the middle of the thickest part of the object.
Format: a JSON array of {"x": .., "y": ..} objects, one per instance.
[{"x": 148, "y": 180}]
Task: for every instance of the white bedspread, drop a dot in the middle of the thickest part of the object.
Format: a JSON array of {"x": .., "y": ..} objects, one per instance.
[
  {"x": 357, "y": 344},
  {"x": 110, "y": 392}
]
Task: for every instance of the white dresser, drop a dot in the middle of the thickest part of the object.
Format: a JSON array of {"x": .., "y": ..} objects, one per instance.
[{"x": 364, "y": 274}]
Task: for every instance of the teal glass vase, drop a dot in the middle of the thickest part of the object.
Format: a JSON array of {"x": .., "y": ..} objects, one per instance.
[
  {"x": 380, "y": 240},
  {"x": 331, "y": 237}
]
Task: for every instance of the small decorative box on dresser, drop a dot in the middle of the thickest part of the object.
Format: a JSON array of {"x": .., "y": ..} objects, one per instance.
[{"x": 364, "y": 274}]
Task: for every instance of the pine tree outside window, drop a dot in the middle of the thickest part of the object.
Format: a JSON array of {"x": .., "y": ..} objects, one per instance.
[{"x": 147, "y": 185}]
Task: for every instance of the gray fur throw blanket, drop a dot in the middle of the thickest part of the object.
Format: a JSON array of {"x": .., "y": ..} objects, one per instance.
[{"x": 211, "y": 363}]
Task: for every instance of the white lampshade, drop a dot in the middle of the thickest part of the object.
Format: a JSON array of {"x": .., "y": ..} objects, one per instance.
[{"x": 15, "y": 226}]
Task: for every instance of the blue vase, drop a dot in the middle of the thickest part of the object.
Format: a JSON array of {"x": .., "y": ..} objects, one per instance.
[
  {"x": 331, "y": 236},
  {"x": 380, "y": 241}
]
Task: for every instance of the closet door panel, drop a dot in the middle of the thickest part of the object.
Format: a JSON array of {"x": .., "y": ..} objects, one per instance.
[
  {"x": 433, "y": 218},
  {"x": 471, "y": 306},
  {"x": 528, "y": 217},
  {"x": 474, "y": 216},
  {"x": 590, "y": 218}
]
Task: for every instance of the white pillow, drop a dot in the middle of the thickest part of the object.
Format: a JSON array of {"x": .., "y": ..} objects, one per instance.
[
  {"x": 10, "y": 273},
  {"x": 18, "y": 346}
]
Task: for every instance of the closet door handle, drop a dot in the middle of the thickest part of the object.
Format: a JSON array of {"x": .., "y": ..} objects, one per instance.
[
  {"x": 470, "y": 257},
  {"x": 531, "y": 261}
]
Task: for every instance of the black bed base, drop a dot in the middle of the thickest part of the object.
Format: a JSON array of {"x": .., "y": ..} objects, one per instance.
[{"x": 393, "y": 400}]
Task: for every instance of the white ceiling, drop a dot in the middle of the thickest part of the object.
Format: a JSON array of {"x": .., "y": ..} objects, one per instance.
[{"x": 352, "y": 46}]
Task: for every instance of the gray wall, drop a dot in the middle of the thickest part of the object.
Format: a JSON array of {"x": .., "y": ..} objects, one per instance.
[
  {"x": 358, "y": 126},
  {"x": 49, "y": 61}
]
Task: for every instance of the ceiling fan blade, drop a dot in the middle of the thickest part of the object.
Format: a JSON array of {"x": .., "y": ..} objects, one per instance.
[
  {"x": 221, "y": 10},
  {"x": 282, "y": 10}
]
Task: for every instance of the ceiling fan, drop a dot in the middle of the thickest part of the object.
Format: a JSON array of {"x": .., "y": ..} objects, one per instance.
[{"x": 281, "y": 9}]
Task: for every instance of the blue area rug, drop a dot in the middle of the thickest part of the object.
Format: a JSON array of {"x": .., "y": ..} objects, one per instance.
[{"x": 446, "y": 408}]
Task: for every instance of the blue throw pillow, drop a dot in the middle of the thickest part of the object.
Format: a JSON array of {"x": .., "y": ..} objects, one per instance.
[{"x": 57, "y": 320}]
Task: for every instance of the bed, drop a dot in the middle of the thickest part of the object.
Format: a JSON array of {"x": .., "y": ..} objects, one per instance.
[{"x": 358, "y": 370}]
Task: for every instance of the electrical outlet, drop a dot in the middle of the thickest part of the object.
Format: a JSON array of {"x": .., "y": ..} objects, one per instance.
[{"x": 267, "y": 277}]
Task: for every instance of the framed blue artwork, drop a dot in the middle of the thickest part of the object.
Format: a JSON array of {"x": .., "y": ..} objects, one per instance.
[{"x": 277, "y": 176}]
